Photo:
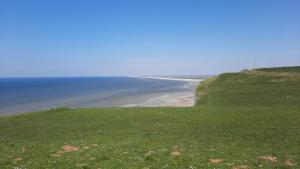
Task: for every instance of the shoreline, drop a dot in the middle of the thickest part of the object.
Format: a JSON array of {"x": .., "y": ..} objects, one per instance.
[
  {"x": 182, "y": 99},
  {"x": 173, "y": 99},
  {"x": 182, "y": 96},
  {"x": 169, "y": 78}
]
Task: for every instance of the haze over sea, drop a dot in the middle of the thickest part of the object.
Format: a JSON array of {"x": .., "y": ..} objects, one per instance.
[{"x": 32, "y": 94}]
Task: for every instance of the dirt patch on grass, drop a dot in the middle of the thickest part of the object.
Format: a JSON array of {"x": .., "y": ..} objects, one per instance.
[
  {"x": 18, "y": 159},
  {"x": 94, "y": 145},
  {"x": 240, "y": 167},
  {"x": 289, "y": 163},
  {"x": 268, "y": 158},
  {"x": 176, "y": 151},
  {"x": 68, "y": 148},
  {"x": 216, "y": 161}
]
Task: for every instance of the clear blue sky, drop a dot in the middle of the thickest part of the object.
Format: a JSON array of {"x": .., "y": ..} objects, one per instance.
[{"x": 145, "y": 37}]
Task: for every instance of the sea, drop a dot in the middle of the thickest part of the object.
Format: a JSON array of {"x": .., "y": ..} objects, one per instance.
[{"x": 19, "y": 95}]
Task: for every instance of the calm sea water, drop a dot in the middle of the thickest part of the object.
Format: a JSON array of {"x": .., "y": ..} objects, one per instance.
[{"x": 33, "y": 94}]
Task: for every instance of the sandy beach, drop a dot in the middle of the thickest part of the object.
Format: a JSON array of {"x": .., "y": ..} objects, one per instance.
[{"x": 172, "y": 99}]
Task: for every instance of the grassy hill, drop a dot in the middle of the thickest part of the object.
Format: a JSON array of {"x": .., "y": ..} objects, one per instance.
[{"x": 241, "y": 121}]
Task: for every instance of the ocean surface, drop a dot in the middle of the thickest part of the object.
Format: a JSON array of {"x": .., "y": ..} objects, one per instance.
[{"x": 19, "y": 95}]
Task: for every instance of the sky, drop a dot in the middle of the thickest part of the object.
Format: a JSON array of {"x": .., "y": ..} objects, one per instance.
[{"x": 146, "y": 37}]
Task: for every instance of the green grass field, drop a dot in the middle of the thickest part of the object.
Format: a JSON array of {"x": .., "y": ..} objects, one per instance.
[{"x": 242, "y": 120}]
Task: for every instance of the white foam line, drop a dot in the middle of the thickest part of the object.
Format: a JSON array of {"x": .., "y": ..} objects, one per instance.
[{"x": 167, "y": 78}]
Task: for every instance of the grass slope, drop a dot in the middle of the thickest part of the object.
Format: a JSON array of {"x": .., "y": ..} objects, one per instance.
[{"x": 239, "y": 117}]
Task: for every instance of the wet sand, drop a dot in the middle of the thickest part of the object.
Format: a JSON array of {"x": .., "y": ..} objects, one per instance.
[{"x": 172, "y": 99}]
